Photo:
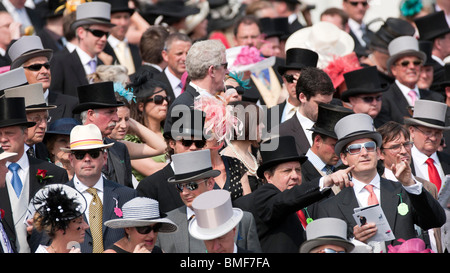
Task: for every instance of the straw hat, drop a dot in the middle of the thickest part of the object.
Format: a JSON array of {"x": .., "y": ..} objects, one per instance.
[{"x": 86, "y": 137}]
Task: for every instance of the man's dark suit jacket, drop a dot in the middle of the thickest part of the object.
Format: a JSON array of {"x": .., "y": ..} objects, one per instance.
[
  {"x": 424, "y": 210},
  {"x": 59, "y": 176},
  {"x": 50, "y": 40},
  {"x": 119, "y": 163},
  {"x": 395, "y": 106},
  {"x": 35, "y": 17},
  {"x": 162, "y": 77},
  {"x": 292, "y": 127},
  {"x": 64, "y": 103},
  {"x": 144, "y": 68},
  {"x": 134, "y": 54},
  {"x": 279, "y": 228},
  {"x": 186, "y": 98},
  {"x": 156, "y": 187},
  {"x": 112, "y": 193},
  {"x": 68, "y": 72}
]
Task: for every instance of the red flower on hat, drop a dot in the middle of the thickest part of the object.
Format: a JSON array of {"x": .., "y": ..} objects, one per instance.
[{"x": 42, "y": 175}]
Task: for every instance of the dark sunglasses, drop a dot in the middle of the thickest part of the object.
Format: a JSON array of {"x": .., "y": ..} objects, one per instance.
[
  {"x": 406, "y": 63},
  {"x": 79, "y": 155},
  {"x": 192, "y": 186},
  {"x": 289, "y": 78},
  {"x": 355, "y": 149},
  {"x": 198, "y": 143},
  {"x": 158, "y": 99},
  {"x": 148, "y": 229},
  {"x": 370, "y": 99},
  {"x": 355, "y": 3},
  {"x": 37, "y": 67},
  {"x": 97, "y": 33}
]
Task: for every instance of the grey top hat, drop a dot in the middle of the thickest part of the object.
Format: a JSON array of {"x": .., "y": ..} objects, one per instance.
[
  {"x": 34, "y": 98},
  {"x": 192, "y": 166},
  {"x": 25, "y": 48},
  {"x": 353, "y": 127},
  {"x": 325, "y": 231},
  {"x": 404, "y": 46},
  {"x": 12, "y": 78},
  {"x": 429, "y": 113},
  {"x": 89, "y": 13},
  {"x": 214, "y": 215},
  {"x": 141, "y": 212}
]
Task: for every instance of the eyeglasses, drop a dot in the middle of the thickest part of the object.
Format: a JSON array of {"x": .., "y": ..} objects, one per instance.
[
  {"x": 406, "y": 63},
  {"x": 97, "y": 33},
  {"x": 39, "y": 119},
  {"x": 148, "y": 229},
  {"x": 429, "y": 134},
  {"x": 355, "y": 3},
  {"x": 198, "y": 143},
  {"x": 330, "y": 250},
  {"x": 158, "y": 99},
  {"x": 37, "y": 67},
  {"x": 225, "y": 65},
  {"x": 369, "y": 99},
  {"x": 397, "y": 147},
  {"x": 289, "y": 78},
  {"x": 79, "y": 155},
  {"x": 355, "y": 149},
  {"x": 192, "y": 186}
]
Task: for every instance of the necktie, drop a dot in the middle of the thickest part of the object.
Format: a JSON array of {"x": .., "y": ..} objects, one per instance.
[
  {"x": 15, "y": 181},
  {"x": 124, "y": 56},
  {"x": 93, "y": 65},
  {"x": 328, "y": 169},
  {"x": 365, "y": 36},
  {"x": 433, "y": 173},
  {"x": 372, "y": 197},
  {"x": 96, "y": 220},
  {"x": 302, "y": 218},
  {"x": 30, "y": 152},
  {"x": 5, "y": 239},
  {"x": 413, "y": 96}
]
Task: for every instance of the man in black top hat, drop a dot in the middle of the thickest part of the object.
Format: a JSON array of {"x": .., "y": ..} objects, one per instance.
[
  {"x": 171, "y": 12},
  {"x": 98, "y": 105},
  {"x": 118, "y": 46},
  {"x": 22, "y": 180}
]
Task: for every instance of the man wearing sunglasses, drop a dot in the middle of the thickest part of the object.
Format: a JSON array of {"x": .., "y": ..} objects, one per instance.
[
  {"x": 404, "y": 63},
  {"x": 356, "y": 10},
  {"x": 92, "y": 26},
  {"x": 404, "y": 203},
  {"x": 194, "y": 175},
  {"x": 88, "y": 155}
]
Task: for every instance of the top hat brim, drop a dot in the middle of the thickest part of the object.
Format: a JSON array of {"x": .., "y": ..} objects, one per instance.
[
  {"x": 322, "y": 131},
  {"x": 122, "y": 9},
  {"x": 173, "y": 13},
  {"x": 413, "y": 121},
  {"x": 309, "y": 245},
  {"x": 91, "y": 21},
  {"x": 358, "y": 91},
  {"x": 167, "y": 226},
  {"x": 16, "y": 122},
  {"x": 341, "y": 143},
  {"x": 26, "y": 56},
  {"x": 395, "y": 57},
  {"x": 206, "y": 174},
  {"x": 94, "y": 105},
  {"x": 283, "y": 68},
  {"x": 271, "y": 163}
]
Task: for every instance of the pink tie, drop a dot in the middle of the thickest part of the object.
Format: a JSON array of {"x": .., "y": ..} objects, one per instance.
[
  {"x": 413, "y": 96},
  {"x": 372, "y": 197}
]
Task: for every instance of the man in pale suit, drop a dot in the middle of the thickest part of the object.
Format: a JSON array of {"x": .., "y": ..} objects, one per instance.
[{"x": 193, "y": 176}]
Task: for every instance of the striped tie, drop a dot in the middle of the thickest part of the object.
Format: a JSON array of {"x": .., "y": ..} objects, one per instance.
[{"x": 96, "y": 221}]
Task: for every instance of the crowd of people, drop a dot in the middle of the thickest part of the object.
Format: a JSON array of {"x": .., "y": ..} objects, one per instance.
[{"x": 132, "y": 126}]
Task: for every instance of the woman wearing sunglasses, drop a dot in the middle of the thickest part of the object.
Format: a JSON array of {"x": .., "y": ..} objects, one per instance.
[{"x": 141, "y": 222}]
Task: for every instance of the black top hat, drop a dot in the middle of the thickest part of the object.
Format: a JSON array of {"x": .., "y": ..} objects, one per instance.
[
  {"x": 95, "y": 96},
  {"x": 120, "y": 6},
  {"x": 285, "y": 152},
  {"x": 391, "y": 29},
  {"x": 298, "y": 58},
  {"x": 12, "y": 112},
  {"x": 432, "y": 26},
  {"x": 440, "y": 86},
  {"x": 55, "y": 8},
  {"x": 363, "y": 81},
  {"x": 268, "y": 27},
  {"x": 185, "y": 125},
  {"x": 426, "y": 47},
  {"x": 328, "y": 115},
  {"x": 171, "y": 8}
]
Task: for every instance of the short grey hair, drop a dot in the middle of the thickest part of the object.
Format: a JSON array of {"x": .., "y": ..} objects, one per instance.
[{"x": 201, "y": 56}]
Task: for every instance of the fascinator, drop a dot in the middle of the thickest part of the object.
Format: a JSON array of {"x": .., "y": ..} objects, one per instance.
[
  {"x": 414, "y": 245},
  {"x": 341, "y": 65}
]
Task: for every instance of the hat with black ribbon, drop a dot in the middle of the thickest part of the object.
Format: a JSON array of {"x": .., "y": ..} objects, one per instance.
[
  {"x": 34, "y": 98},
  {"x": 430, "y": 114},
  {"x": 192, "y": 166}
]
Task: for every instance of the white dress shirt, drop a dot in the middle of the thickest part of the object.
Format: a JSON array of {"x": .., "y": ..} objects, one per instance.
[
  {"x": 421, "y": 167},
  {"x": 174, "y": 82},
  {"x": 306, "y": 124},
  {"x": 85, "y": 59},
  {"x": 288, "y": 111},
  {"x": 83, "y": 189},
  {"x": 405, "y": 90}
]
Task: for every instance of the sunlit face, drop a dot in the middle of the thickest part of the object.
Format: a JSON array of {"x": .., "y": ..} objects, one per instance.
[
  {"x": 148, "y": 239},
  {"x": 12, "y": 139},
  {"x": 426, "y": 139},
  {"x": 325, "y": 150},
  {"x": 89, "y": 168},
  {"x": 356, "y": 9},
  {"x": 175, "y": 57},
  {"x": 365, "y": 162},
  {"x": 43, "y": 75},
  {"x": 188, "y": 196},
  {"x": 76, "y": 230},
  {"x": 36, "y": 133},
  {"x": 61, "y": 141},
  {"x": 122, "y": 125},
  {"x": 248, "y": 35},
  {"x": 89, "y": 43},
  {"x": 285, "y": 176},
  {"x": 389, "y": 152},
  {"x": 426, "y": 77},
  {"x": 407, "y": 70},
  {"x": 122, "y": 21},
  {"x": 310, "y": 108},
  {"x": 367, "y": 104},
  {"x": 104, "y": 118}
]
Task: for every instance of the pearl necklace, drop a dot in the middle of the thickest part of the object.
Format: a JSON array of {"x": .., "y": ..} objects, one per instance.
[{"x": 250, "y": 169}]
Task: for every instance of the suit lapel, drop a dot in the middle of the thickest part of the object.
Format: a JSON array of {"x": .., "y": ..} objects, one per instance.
[
  {"x": 109, "y": 202},
  {"x": 299, "y": 135},
  {"x": 348, "y": 203},
  {"x": 389, "y": 199},
  {"x": 400, "y": 100},
  {"x": 76, "y": 65}
]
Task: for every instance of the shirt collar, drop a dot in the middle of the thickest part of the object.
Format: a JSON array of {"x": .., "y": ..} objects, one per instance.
[
  {"x": 315, "y": 160},
  {"x": 82, "y": 187},
  {"x": 359, "y": 186},
  {"x": 84, "y": 57}
]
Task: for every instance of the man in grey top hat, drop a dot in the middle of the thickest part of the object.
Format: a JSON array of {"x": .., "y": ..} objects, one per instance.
[
  {"x": 404, "y": 63},
  {"x": 92, "y": 26},
  {"x": 404, "y": 204},
  {"x": 28, "y": 52}
]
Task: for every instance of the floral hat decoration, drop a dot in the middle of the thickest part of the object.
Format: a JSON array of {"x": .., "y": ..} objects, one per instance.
[{"x": 245, "y": 58}]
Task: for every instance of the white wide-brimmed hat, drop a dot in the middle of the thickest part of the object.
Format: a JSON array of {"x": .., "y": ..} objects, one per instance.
[
  {"x": 141, "y": 212},
  {"x": 86, "y": 137},
  {"x": 25, "y": 48},
  {"x": 430, "y": 114},
  {"x": 324, "y": 38},
  {"x": 404, "y": 46},
  {"x": 5, "y": 155},
  {"x": 353, "y": 127},
  {"x": 325, "y": 231},
  {"x": 192, "y": 166},
  {"x": 34, "y": 97},
  {"x": 214, "y": 215}
]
